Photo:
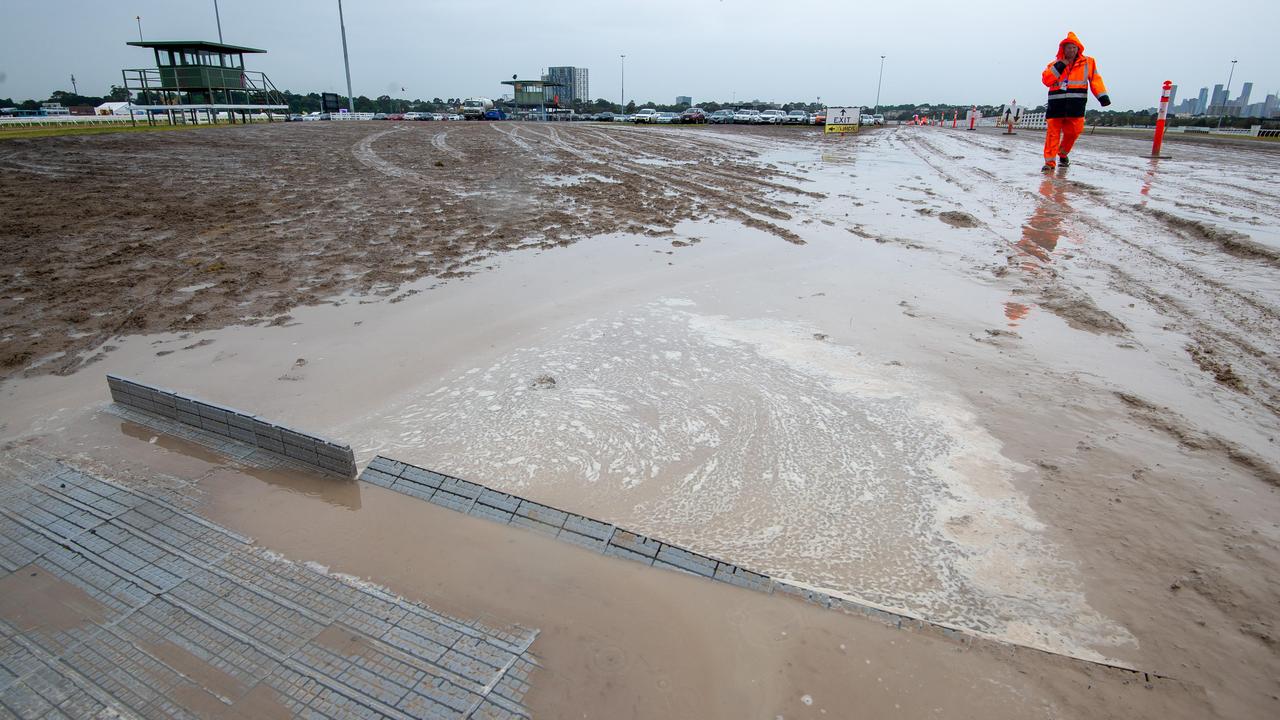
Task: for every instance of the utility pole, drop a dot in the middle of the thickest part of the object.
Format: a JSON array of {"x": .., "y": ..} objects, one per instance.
[
  {"x": 624, "y": 85},
  {"x": 346, "y": 62},
  {"x": 1226, "y": 97},
  {"x": 878, "y": 83},
  {"x": 218, "y": 17},
  {"x": 74, "y": 89},
  {"x": 139, "y": 19}
]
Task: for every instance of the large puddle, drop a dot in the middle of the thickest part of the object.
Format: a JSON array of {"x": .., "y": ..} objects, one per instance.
[{"x": 762, "y": 442}]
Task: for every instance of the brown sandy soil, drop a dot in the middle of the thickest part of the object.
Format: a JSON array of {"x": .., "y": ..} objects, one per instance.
[{"x": 121, "y": 234}]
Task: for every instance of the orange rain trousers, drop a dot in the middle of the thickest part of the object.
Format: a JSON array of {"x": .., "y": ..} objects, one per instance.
[{"x": 1060, "y": 137}]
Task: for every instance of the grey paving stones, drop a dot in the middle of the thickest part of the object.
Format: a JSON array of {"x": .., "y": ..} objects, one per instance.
[
  {"x": 316, "y": 452},
  {"x": 175, "y": 607}
]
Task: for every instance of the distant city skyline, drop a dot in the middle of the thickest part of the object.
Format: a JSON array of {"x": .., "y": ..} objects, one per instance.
[{"x": 1218, "y": 103}]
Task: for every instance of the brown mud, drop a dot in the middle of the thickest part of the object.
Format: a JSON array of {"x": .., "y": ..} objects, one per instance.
[{"x": 105, "y": 238}]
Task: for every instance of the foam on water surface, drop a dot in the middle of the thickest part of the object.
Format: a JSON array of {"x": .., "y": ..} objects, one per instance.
[{"x": 755, "y": 441}]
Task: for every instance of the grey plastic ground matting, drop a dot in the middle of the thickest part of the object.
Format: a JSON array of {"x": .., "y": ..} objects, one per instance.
[
  {"x": 114, "y": 603},
  {"x": 319, "y": 453}
]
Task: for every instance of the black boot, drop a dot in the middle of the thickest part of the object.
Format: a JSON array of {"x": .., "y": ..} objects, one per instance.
[{"x": 1063, "y": 160}]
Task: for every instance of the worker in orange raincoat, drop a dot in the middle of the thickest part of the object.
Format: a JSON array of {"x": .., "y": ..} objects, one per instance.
[{"x": 1069, "y": 78}]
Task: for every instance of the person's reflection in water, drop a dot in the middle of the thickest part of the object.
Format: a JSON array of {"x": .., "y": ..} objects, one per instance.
[{"x": 1040, "y": 235}]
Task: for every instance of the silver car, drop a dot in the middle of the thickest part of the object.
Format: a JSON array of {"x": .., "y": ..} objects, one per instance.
[
  {"x": 797, "y": 117},
  {"x": 745, "y": 116}
]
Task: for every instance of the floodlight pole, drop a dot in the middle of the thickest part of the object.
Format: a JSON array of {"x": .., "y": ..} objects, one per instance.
[
  {"x": 217, "y": 16},
  {"x": 74, "y": 90},
  {"x": 139, "y": 19},
  {"x": 346, "y": 62},
  {"x": 878, "y": 83},
  {"x": 624, "y": 85},
  {"x": 1226, "y": 98}
]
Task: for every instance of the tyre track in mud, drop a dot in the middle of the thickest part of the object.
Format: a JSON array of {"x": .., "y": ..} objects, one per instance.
[
  {"x": 731, "y": 204},
  {"x": 441, "y": 143},
  {"x": 519, "y": 142},
  {"x": 1249, "y": 319},
  {"x": 364, "y": 152}
]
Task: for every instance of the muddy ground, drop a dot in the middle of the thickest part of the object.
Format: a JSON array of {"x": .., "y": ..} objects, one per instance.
[
  {"x": 240, "y": 227},
  {"x": 904, "y": 366}
]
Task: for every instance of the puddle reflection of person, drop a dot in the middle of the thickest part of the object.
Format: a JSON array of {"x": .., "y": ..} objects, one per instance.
[{"x": 1040, "y": 235}]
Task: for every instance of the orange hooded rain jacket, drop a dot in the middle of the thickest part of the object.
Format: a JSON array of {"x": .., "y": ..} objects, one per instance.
[{"x": 1069, "y": 85}]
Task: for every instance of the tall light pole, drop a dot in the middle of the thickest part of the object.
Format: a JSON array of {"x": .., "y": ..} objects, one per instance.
[
  {"x": 878, "y": 83},
  {"x": 139, "y": 19},
  {"x": 217, "y": 16},
  {"x": 1226, "y": 96},
  {"x": 346, "y": 62},
  {"x": 623, "y": 111},
  {"x": 74, "y": 90}
]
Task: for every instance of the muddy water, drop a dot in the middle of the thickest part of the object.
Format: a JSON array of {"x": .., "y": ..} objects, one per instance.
[
  {"x": 617, "y": 639},
  {"x": 916, "y": 406}
]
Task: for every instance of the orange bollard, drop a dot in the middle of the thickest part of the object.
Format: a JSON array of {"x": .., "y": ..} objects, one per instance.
[
  {"x": 955, "y": 117},
  {"x": 1164, "y": 111},
  {"x": 973, "y": 117}
]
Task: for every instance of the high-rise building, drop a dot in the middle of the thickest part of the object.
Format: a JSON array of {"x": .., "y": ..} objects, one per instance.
[
  {"x": 574, "y": 82},
  {"x": 1173, "y": 94},
  {"x": 684, "y": 99},
  {"x": 1219, "y": 100},
  {"x": 1271, "y": 106},
  {"x": 1245, "y": 91},
  {"x": 1202, "y": 102}
]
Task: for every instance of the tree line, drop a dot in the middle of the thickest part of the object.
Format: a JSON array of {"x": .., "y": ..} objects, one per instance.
[{"x": 310, "y": 102}]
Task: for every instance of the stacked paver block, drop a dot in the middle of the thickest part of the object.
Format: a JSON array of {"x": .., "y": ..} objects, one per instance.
[
  {"x": 325, "y": 455},
  {"x": 168, "y": 584}
]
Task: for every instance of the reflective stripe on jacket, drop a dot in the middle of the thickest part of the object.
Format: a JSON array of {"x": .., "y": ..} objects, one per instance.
[{"x": 1069, "y": 86}]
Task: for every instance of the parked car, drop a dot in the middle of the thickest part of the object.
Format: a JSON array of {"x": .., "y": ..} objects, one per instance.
[
  {"x": 771, "y": 117},
  {"x": 820, "y": 117},
  {"x": 606, "y": 117},
  {"x": 668, "y": 118},
  {"x": 645, "y": 115},
  {"x": 379, "y": 116},
  {"x": 410, "y": 116},
  {"x": 495, "y": 114},
  {"x": 295, "y": 117},
  {"x": 745, "y": 115},
  {"x": 453, "y": 116},
  {"x": 720, "y": 117},
  {"x": 867, "y": 120},
  {"x": 879, "y": 118},
  {"x": 797, "y": 117},
  {"x": 693, "y": 115}
]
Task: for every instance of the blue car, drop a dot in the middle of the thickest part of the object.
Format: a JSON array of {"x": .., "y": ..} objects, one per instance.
[{"x": 495, "y": 114}]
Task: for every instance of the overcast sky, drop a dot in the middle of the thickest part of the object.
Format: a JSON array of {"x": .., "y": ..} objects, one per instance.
[{"x": 980, "y": 51}]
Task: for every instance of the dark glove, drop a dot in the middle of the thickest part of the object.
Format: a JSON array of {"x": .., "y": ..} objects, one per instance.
[
  {"x": 1059, "y": 66},
  {"x": 1103, "y": 100}
]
